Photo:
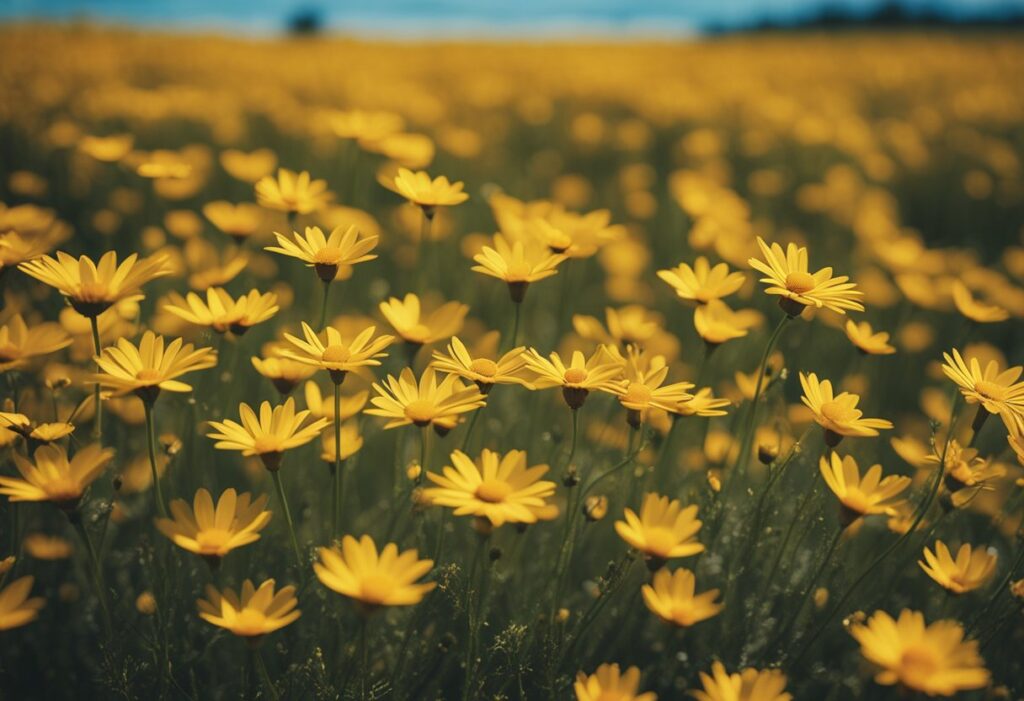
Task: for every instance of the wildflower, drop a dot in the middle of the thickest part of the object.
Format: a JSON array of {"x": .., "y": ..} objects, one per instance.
[
  {"x": 214, "y": 531},
  {"x": 861, "y": 496},
  {"x": 933, "y": 659},
  {"x": 837, "y": 414},
  {"x": 239, "y": 221},
  {"x": 252, "y": 612},
  {"x": 964, "y": 468},
  {"x": 416, "y": 328},
  {"x": 974, "y": 310},
  {"x": 336, "y": 356},
  {"x": 19, "y": 343},
  {"x": 664, "y": 530},
  {"x": 285, "y": 374},
  {"x": 787, "y": 276},
  {"x": 671, "y": 597},
  {"x": 93, "y": 288},
  {"x": 405, "y": 401},
  {"x": 644, "y": 389},
  {"x": 350, "y": 404},
  {"x": 145, "y": 603},
  {"x": 425, "y": 192},
  {"x": 365, "y": 125},
  {"x": 608, "y": 682},
  {"x": 703, "y": 282},
  {"x": 343, "y": 247},
  {"x": 268, "y": 435},
  {"x": 35, "y": 432},
  {"x": 500, "y": 488},
  {"x": 483, "y": 371},
  {"x": 358, "y": 571},
  {"x": 248, "y": 167},
  {"x": 351, "y": 443},
  {"x": 151, "y": 367},
  {"x": 995, "y": 392},
  {"x": 748, "y": 685},
  {"x": 295, "y": 193},
  {"x": 601, "y": 371},
  {"x": 630, "y": 325},
  {"x": 867, "y": 341},
  {"x": 221, "y": 312},
  {"x": 47, "y": 547},
  {"x": 51, "y": 477},
  {"x": 161, "y": 164},
  {"x": 16, "y": 609},
  {"x": 716, "y": 323},
  {"x": 969, "y": 571},
  {"x": 517, "y": 263},
  {"x": 108, "y": 149},
  {"x": 701, "y": 403}
]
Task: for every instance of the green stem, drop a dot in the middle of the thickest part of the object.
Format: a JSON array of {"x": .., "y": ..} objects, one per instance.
[
  {"x": 97, "y": 429},
  {"x": 748, "y": 431},
  {"x": 474, "y": 601},
  {"x": 515, "y": 324},
  {"x": 323, "y": 305},
  {"x": 94, "y": 571},
  {"x": 424, "y": 452},
  {"x": 470, "y": 427},
  {"x": 264, "y": 675},
  {"x": 336, "y": 501},
  {"x": 279, "y": 488},
  {"x": 158, "y": 495}
]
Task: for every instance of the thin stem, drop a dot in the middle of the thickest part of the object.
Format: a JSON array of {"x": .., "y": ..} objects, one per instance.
[
  {"x": 323, "y": 305},
  {"x": 748, "y": 431},
  {"x": 474, "y": 599},
  {"x": 94, "y": 571},
  {"x": 97, "y": 428},
  {"x": 575, "y": 437},
  {"x": 279, "y": 488},
  {"x": 336, "y": 501},
  {"x": 515, "y": 324},
  {"x": 470, "y": 427},
  {"x": 264, "y": 675},
  {"x": 424, "y": 452},
  {"x": 158, "y": 495}
]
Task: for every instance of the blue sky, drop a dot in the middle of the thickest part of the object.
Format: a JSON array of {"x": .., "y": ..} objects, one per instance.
[{"x": 455, "y": 17}]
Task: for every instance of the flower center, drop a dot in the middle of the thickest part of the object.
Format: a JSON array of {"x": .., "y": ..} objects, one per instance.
[
  {"x": 838, "y": 413},
  {"x": 336, "y": 354},
  {"x": 149, "y": 376},
  {"x": 376, "y": 588},
  {"x": 484, "y": 366},
  {"x": 211, "y": 541},
  {"x": 990, "y": 390},
  {"x": 493, "y": 491},
  {"x": 799, "y": 282},
  {"x": 330, "y": 255},
  {"x": 575, "y": 376},
  {"x": 420, "y": 411}
]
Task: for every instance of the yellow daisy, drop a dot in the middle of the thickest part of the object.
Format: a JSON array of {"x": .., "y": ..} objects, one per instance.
[
  {"x": 671, "y": 596},
  {"x": 326, "y": 254},
  {"x": 151, "y": 367},
  {"x": 971, "y": 569},
  {"x": 222, "y": 312},
  {"x": 239, "y": 221},
  {"x": 214, "y": 531},
  {"x": 703, "y": 282},
  {"x": 995, "y": 391},
  {"x": 664, "y": 529},
  {"x": 428, "y": 193},
  {"x": 268, "y": 434},
  {"x": 866, "y": 340},
  {"x": 701, "y": 403},
  {"x": 387, "y": 578},
  {"x": 786, "y": 275},
  {"x": 285, "y": 374},
  {"x": 19, "y": 343},
  {"x": 337, "y": 356},
  {"x": 716, "y": 323},
  {"x": 415, "y": 327},
  {"x": 51, "y": 477},
  {"x": 295, "y": 193},
  {"x": 483, "y": 371},
  {"x": 644, "y": 388},
  {"x": 861, "y": 496},
  {"x": 608, "y": 683},
  {"x": 16, "y": 608},
  {"x": 405, "y": 401},
  {"x": 837, "y": 414},
  {"x": 748, "y": 685},
  {"x": 252, "y": 612},
  {"x": 517, "y": 263},
  {"x": 601, "y": 371},
  {"x": 974, "y": 310}
]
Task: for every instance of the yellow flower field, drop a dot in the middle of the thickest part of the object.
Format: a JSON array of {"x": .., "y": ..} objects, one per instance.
[{"x": 610, "y": 371}]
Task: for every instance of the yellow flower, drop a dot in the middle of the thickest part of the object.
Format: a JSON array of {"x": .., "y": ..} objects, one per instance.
[
  {"x": 292, "y": 192},
  {"x": 51, "y": 477},
  {"x": 337, "y": 356},
  {"x": 671, "y": 597},
  {"x": 630, "y": 325},
  {"x": 867, "y": 341},
  {"x": 500, "y": 488},
  {"x": 269, "y": 434},
  {"x": 108, "y": 149},
  {"x": 214, "y": 531},
  {"x": 221, "y": 312},
  {"x": 151, "y": 367},
  {"x": 703, "y": 283},
  {"x": 365, "y": 125},
  {"x": 861, "y": 496},
  {"x": 837, "y": 414},
  {"x": 406, "y": 401},
  {"x": 664, "y": 529},
  {"x": 357, "y": 571},
  {"x": 701, "y": 403},
  {"x": 601, "y": 371},
  {"x": 997, "y": 392},
  {"x": 250, "y": 613},
  {"x": 161, "y": 164},
  {"x": 974, "y": 310},
  {"x": 92, "y": 288},
  {"x": 16, "y": 249},
  {"x": 351, "y": 404},
  {"x": 248, "y": 167},
  {"x": 965, "y": 469},
  {"x": 933, "y": 659},
  {"x": 325, "y": 254},
  {"x": 971, "y": 569},
  {"x": 408, "y": 320},
  {"x": 419, "y": 189},
  {"x": 16, "y": 609},
  {"x": 608, "y": 683},
  {"x": 517, "y": 263},
  {"x": 39, "y": 432},
  {"x": 749, "y": 685},
  {"x": 239, "y": 221},
  {"x": 19, "y": 343},
  {"x": 716, "y": 323},
  {"x": 644, "y": 388},
  {"x": 283, "y": 373},
  {"x": 351, "y": 443},
  {"x": 46, "y": 547},
  {"x": 483, "y": 371},
  {"x": 787, "y": 276}
]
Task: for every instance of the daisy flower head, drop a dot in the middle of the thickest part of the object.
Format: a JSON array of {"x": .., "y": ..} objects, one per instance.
[
  {"x": 291, "y": 192},
  {"x": 374, "y": 579},
  {"x": 994, "y": 391},
  {"x": 151, "y": 366},
  {"x": 337, "y": 356},
  {"x": 609, "y": 682},
  {"x": 976, "y": 311},
  {"x": 483, "y": 371},
  {"x": 716, "y": 323},
  {"x": 701, "y": 403},
  {"x": 283, "y": 373},
  {"x": 859, "y": 495},
  {"x": 866, "y": 340},
  {"x": 212, "y": 531},
  {"x": 787, "y": 275},
  {"x": 251, "y": 612},
  {"x": 672, "y": 597},
  {"x": 222, "y": 312},
  {"x": 970, "y": 570},
  {"x": 703, "y": 282},
  {"x": 663, "y": 530},
  {"x": 645, "y": 388},
  {"x": 344, "y": 246},
  {"x": 16, "y": 608},
  {"x": 426, "y": 192},
  {"x": 268, "y": 434},
  {"x": 19, "y": 342},
  {"x": 415, "y": 326},
  {"x": 518, "y": 263},
  {"x": 837, "y": 413},
  {"x": 748, "y": 685},
  {"x": 500, "y": 488},
  {"x": 404, "y": 400},
  {"x": 601, "y": 371},
  {"x": 933, "y": 659},
  {"x": 50, "y": 476}
]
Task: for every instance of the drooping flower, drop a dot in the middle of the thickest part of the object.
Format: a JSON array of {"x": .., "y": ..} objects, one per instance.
[
  {"x": 933, "y": 659},
  {"x": 703, "y": 282},
  {"x": 500, "y": 488},
  {"x": 387, "y": 578},
  {"x": 608, "y": 683},
  {"x": 671, "y": 596},
  {"x": 748, "y": 685},
  {"x": 269, "y": 434},
  {"x": 326, "y": 254},
  {"x": 51, "y": 477},
  {"x": 252, "y": 612},
  {"x": 837, "y": 413},
  {"x": 151, "y": 366},
  {"x": 664, "y": 529},
  {"x": 786, "y": 274},
  {"x": 214, "y": 531},
  {"x": 861, "y": 496},
  {"x": 292, "y": 192},
  {"x": 405, "y": 401},
  {"x": 971, "y": 569}
]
